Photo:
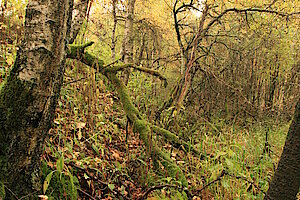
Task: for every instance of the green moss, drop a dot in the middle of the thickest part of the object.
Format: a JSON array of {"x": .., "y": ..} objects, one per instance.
[
  {"x": 139, "y": 124},
  {"x": 116, "y": 68},
  {"x": 77, "y": 52},
  {"x": 141, "y": 127},
  {"x": 15, "y": 95},
  {"x": 172, "y": 169},
  {"x": 132, "y": 113},
  {"x": 166, "y": 134},
  {"x": 92, "y": 61}
]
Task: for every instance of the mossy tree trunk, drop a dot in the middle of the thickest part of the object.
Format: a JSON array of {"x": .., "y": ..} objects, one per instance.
[
  {"x": 286, "y": 181},
  {"x": 29, "y": 95}
]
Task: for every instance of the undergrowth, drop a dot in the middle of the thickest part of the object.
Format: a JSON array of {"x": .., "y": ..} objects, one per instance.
[
  {"x": 92, "y": 153},
  {"x": 107, "y": 162}
]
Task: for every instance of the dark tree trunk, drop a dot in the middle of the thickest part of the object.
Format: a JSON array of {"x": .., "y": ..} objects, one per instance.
[
  {"x": 28, "y": 97},
  {"x": 286, "y": 181}
]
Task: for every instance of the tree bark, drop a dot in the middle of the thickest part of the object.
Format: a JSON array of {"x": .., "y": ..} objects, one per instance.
[
  {"x": 29, "y": 96},
  {"x": 80, "y": 11},
  {"x": 113, "y": 36},
  {"x": 180, "y": 90},
  {"x": 286, "y": 181},
  {"x": 127, "y": 48}
]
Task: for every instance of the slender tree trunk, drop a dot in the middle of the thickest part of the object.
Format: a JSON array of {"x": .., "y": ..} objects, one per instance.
[
  {"x": 272, "y": 86},
  {"x": 127, "y": 49},
  {"x": 180, "y": 90},
  {"x": 113, "y": 36},
  {"x": 286, "y": 181},
  {"x": 141, "y": 50}
]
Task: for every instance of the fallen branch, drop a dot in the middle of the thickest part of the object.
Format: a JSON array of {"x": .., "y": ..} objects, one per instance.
[
  {"x": 121, "y": 67},
  {"x": 142, "y": 127},
  {"x": 77, "y": 52},
  {"x": 139, "y": 124},
  {"x": 153, "y": 188},
  {"x": 86, "y": 194},
  {"x": 223, "y": 173}
]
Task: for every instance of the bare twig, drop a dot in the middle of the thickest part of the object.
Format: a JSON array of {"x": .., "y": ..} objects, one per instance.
[
  {"x": 11, "y": 192},
  {"x": 245, "y": 179},
  {"x": 157, "y": 187},
  {"x": 223, "y": 173},
  {"x": 245, "y": 11},
  {"x": 87, "y": 194}
]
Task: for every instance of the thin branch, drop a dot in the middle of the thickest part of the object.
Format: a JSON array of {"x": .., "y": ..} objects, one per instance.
[
  {"x": 153, "y": 188},
  {"x": 245, "y": 179},
  {"x": 216, "y": 19},
  {"x": 223, "y": 173},
  {"x": 159, "y": 187},
  {"x": 11, "y": 192},
  {"x": 152, "y": 72},
  {"x": 86, "y": 194}
]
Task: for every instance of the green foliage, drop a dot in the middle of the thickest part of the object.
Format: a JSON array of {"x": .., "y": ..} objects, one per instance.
[
  {"x": 59, "y": 184},
  {"x": 2, "y": 190}
]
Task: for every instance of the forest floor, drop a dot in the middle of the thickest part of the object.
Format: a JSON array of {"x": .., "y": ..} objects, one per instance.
[{"x": 90, "y": 155}]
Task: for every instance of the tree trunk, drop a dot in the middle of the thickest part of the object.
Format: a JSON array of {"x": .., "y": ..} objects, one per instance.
[
  {"x": 29, "y": 95},
  {"x": 180, "y": 90},
  {"x": 113, "y": 35},
  {"x": 286, "y": 181},
  {"x": 127, "y": 49}
]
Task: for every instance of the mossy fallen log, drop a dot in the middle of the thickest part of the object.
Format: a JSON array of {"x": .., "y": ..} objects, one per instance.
[{"x": 140, "y": 125}]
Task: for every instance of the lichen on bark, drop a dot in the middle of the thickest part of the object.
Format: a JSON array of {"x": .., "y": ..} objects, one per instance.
[{"x": 28, "y": 96}]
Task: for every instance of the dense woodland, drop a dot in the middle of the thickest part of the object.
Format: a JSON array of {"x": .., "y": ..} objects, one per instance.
[{"x": 149, "y": 99}]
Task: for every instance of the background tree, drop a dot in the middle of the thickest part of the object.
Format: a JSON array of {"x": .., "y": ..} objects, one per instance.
[
  {"x": 127, "y": 47},
  {"x": 219, "y": 34}
]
